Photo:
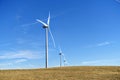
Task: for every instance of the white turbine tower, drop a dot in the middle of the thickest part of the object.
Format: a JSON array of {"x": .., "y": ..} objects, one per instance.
[{"x": 46, "y": 27}]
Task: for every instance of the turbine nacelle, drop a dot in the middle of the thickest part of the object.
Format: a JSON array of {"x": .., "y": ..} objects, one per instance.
[
  {"x": 45, "y": 26},
  {"x": 60, "y": 53}
]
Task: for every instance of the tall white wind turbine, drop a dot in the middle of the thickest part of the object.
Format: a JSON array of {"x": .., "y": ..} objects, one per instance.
[{"x": 46, "y": 27}]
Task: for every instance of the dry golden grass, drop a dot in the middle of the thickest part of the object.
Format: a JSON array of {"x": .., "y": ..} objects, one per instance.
[{"x": 65, "y": 73}]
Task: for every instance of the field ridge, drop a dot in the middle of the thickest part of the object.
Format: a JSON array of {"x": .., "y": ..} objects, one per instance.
[{"x": 64, "y": 73}]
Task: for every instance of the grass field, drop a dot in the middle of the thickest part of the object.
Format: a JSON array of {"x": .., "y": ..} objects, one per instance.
[{"x": 64, "y": 73}]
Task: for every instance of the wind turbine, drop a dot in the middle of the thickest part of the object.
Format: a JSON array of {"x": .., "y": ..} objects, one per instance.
[
  {"x": 46, "y": 27},
  {"x": 60, "y": 57},
  {"x": 64, "y": 59},
  {"x": 64, "y": 62}
]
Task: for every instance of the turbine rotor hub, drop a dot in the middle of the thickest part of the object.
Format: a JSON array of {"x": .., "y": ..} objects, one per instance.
[{"x": 60, "y": 53}]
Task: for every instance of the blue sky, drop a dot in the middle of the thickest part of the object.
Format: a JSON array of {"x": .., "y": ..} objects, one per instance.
[{"x": 86, "y": 30}]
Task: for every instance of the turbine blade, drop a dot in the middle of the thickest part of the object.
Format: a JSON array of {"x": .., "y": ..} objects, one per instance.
[
  {"x": 64, "y": 57},
  {"x": 60, "y": 49},
  {"x": 41, "y": 22},
  {"x": 52, "y": 37},
  {"x": 48, "y": 22}
]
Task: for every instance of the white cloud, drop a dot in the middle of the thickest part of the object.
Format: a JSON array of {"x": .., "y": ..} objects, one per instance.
[
  {"x": 102, "y": 62},
  {"x": 103, "y": 44},
  {"x": 99, "y": 44},
  {"x": 20, "y": 60},
  {"x": 27, "y": 54}
]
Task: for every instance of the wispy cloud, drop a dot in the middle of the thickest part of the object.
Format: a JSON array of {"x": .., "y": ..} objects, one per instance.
[
  {"x": 101, "y": 62},
  {"x": 117, "y": 1},
  {"x": 101, "y": 44},
  {"x": 26, "y": 27},
  {"x": 104, "y": 44},
  {"x": 21, "y": 41},
  {"x": 17, "y": 64},
  {"x": 13, "y": 62},
  {"x": 27, "y": 54},
  {"x": 4, "y": 43},
  {"x": 28, "y": 42},
  {"x": 5, "y": 64},
  {"x": 20, "y": 60},
  {"x": 29, "y": 24}
]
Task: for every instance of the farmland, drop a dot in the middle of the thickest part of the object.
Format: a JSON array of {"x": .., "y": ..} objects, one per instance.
[{"x": 64, "y": 73}]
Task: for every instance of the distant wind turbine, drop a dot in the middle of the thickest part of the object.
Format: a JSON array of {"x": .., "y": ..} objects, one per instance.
[
  {"x": 47, "y": 28},
  {"x": 64, "y": 59},
  {"x": 60, "y": 53}
]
